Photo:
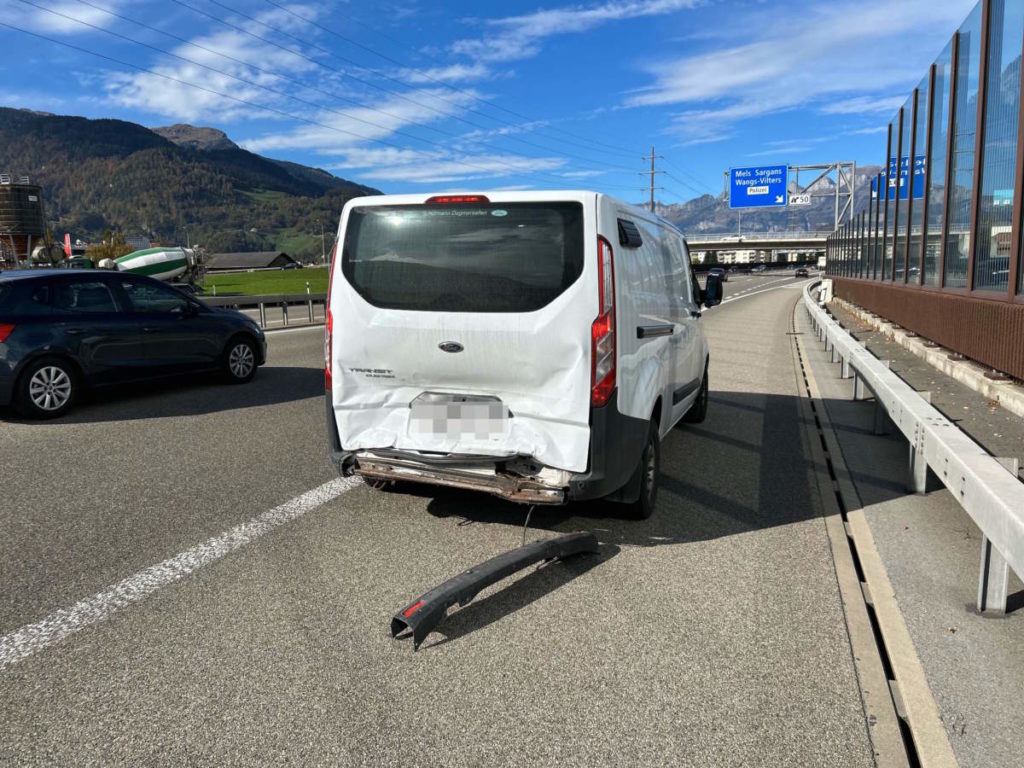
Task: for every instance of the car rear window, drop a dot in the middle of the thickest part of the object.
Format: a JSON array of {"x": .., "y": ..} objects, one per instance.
[
  {"x": 26, "y": 297},
  {"x": 497, "y": 257},
  {"x": 84, "y": 296}
]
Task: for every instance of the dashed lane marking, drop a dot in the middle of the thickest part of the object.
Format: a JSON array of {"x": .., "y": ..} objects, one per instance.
[{"x": 59, "y": 625}]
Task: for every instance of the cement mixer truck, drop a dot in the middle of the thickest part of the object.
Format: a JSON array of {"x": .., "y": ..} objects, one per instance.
[{"x": 181, "y": 267}]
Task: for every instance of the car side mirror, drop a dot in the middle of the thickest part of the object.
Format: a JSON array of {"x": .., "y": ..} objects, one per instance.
[
  {"x": 712, "y": 294},
  {"x": 191, "y": 310}
]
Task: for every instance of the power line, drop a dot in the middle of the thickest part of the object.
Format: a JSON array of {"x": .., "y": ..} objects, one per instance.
[
  {"x": 261, "y": 86},
  {"x": 617, "y": 150},
  {"x": 272, "y": 110},
  {"x": 383, "y": 75}
]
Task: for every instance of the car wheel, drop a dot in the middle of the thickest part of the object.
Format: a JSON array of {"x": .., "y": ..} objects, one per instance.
[
  {"x": 650, "y": 466},
  {"x": 699, "y": 410},
  {"x": 240, "y": 360},
  {"x": 46, "y": 389}
]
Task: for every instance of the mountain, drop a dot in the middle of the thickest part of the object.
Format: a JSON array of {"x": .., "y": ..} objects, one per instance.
[
  {"x": 713, "y": 214},
  {"x": 170, "y": 184},
  {"x": 195, "y": 137}
]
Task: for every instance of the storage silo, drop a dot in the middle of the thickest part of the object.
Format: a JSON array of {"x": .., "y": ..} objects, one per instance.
[{"x": 21, "y": 217}]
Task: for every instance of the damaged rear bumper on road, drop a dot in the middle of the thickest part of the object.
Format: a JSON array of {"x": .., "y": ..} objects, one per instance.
[{"x": 497, "y": 477}]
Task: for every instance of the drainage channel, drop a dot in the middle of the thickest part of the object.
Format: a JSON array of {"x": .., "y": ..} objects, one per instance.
[{"x": 913, "y": 757}]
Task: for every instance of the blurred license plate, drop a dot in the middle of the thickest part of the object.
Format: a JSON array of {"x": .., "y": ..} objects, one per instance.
[{"x": 458, "y": 417}]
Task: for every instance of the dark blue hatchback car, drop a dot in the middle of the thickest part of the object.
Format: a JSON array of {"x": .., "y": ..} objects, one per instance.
[{"x": 62, "y": 331}]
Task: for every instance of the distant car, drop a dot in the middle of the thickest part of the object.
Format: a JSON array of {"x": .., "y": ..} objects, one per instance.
[
  {"x": 64, "y": 331},
  {"x": 760, "y": 268},
  {"x": 801, "y": 272},
  {"x": 720, "y": 272},
  {"x": 292, "y": 265}
]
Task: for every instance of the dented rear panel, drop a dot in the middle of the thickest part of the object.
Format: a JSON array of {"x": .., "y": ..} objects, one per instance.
[{"x": 465, "y": 329}]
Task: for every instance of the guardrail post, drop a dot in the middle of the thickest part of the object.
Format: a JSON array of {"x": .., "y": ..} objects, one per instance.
[
  {"x": 993, "y": 579},
  {"x": 860, "y": 388},
  {"x": 845, "y": 370},
  {"x": 917, "y": 476},
  {"x": 263, "y": 315},
  {"x": 309, "y": 302},
  {"x": 883, "y": 424},
  {"x": 284, "y": 311}
]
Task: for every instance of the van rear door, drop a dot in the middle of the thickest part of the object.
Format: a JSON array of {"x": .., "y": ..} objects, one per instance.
[{"x": 463, "y": 326}]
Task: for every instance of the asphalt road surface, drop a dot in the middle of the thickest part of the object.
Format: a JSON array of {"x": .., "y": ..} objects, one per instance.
[{"x": 712, "y": 634}]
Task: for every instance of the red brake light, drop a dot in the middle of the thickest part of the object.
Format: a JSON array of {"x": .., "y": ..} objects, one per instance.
[
  {"x": 602, "y": 332},
  {"x": 5, "y": 331},
  {"x": 450, "y": 199}
]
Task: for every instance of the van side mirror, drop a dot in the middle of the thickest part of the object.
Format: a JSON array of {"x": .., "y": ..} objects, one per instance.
[{"x": 712, "y": 294}]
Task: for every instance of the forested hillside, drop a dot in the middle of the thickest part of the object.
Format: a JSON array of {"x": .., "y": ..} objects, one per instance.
[{"x": 111, "y": 174}]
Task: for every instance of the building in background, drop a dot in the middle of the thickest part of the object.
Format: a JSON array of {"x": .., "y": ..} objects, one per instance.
[
  {"x": 22, "y": 224},
  {"x": 938, "y": 251},
  {"x": 221, "y": 262}
]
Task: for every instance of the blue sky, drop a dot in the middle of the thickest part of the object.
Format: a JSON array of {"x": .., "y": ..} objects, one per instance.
[{"x": 411, "y": 95}]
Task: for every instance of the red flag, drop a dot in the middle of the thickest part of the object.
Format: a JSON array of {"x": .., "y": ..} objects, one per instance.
[{"x": 67, "y": 245}]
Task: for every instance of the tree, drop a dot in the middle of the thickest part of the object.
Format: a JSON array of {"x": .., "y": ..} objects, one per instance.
[{"x": 112, "y": 247}]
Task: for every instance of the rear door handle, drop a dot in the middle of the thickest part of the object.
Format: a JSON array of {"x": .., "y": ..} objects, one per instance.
[
  {"x": 150, "y": 329},
  {"x": 74, "y": 331},
  {"x": 651, "y": 331}
]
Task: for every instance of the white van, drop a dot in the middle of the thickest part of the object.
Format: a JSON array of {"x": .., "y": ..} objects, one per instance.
[{"x": 533, "y": 345}]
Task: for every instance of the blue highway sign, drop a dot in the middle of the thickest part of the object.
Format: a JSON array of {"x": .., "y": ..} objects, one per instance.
[
  {"x": 918, "y": 182},
  {"x": 761, "y": 187}
]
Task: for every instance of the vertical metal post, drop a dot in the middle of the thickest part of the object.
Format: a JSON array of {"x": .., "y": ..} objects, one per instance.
[
  {"x": 309, "y": 302},
  {"x": 284, "y": 311},
  {"x": 929, "y": 127},
  {"x": 263, "y": 315},
  {"x": 885, "y": 207},
  {"x": 954, "y": 66},
  {"x": 896, "y": 203},
  {"x": 1018, "y": 189},
  {"x": 910, "y": 188},
  {"x": 979, "y": 141}
]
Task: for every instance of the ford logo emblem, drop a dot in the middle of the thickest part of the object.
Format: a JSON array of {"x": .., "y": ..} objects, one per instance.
[{"x": 450, "y": 346}]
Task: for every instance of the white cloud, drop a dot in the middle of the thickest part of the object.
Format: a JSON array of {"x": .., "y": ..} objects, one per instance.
[
  {"x": 520, "y": 37},
  {"x": 859, "y": 105},
  {"x": 802, "y": 56},
  {"x": 160, "y": 94},
  {"x": 339, "y": 130},
  {"x": 450, "y": 74},
  {"x": 436, "y": 167},
  {"x": 38, "y": 20}
]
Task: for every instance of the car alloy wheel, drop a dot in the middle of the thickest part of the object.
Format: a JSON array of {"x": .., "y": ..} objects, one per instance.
[
  {"x": 50, "y": 388},
  {"x": 241, "y": 360}
]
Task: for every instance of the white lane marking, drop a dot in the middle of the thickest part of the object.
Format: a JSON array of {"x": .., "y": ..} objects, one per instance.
[
  {"x": 738, "y": 296},
  {"x": 61, "y": 624}
]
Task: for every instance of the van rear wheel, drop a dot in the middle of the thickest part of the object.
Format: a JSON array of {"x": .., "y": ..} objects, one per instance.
[{"x": 649, "y": 468}]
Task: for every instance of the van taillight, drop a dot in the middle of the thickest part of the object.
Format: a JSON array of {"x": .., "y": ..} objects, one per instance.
[
  {"x": 329, "y": 323},
  {"x": 5, "y": 330},
  {"x": 602, "y": 332}
]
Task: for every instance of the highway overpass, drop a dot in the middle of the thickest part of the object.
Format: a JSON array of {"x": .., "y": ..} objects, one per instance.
[{"x": 760, "y": 241}]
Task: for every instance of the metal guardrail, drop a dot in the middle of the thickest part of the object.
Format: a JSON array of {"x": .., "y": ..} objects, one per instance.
[
  {"x": 262, "y": 301},
  {"x": 985, "y": 488}
]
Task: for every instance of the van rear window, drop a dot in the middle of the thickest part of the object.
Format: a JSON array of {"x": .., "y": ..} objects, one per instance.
[{"x": 496, "y": 257}]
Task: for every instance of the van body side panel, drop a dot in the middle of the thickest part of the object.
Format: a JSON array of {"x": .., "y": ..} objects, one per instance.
[
  {"x": 536, "y": 363},
  {"x": 645, "y": 365}
]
